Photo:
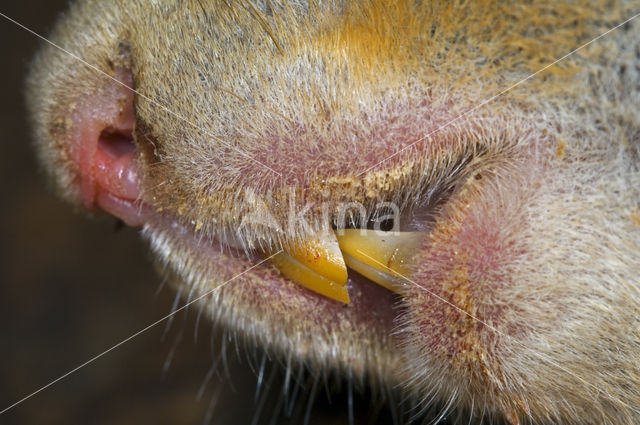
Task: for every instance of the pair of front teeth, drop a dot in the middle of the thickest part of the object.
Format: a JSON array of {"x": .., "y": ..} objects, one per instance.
[{"x": 320, "y": 264}]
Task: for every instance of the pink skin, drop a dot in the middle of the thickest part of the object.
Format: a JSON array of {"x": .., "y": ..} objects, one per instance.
[
  {"x": 102, "y": 146},
  {"x": 471, "y": 256}
]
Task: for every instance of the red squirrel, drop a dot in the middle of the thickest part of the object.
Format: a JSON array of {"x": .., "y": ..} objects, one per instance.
[{"x": 442, "y": 197}]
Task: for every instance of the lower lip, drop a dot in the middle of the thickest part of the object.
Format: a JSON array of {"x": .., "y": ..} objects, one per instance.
[{"x": 372, "y": 306}]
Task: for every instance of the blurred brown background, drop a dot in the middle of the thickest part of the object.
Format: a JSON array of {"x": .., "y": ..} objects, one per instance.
[{"x": 72, "y": 286}]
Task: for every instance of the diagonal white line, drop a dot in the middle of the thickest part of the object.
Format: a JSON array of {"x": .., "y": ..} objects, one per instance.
[
  {"x": 254, "y": 160},
  {"x": 509, "y": 337},
  {"x": 494, "y": 97},
  {"x": 91, "y": 360},
  {"x": 431, "y": 293},
  {"x": 98, "y": 70}
]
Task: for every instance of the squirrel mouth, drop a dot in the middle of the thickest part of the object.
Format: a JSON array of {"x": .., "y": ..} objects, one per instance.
[{"x": 320, "y": 263}]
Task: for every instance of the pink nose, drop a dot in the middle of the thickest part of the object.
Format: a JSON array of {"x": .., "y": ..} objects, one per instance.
[{"x": 103, "y": 150}]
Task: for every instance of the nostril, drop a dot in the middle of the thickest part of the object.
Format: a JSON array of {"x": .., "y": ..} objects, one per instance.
[
  {"x": 115, "y": 166},
  {"x": 116, "y": 142},
  {"x": 102, "y": 146},
  {"x": 116, "y": 175}
]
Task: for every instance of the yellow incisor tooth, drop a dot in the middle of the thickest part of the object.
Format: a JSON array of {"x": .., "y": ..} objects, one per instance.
[
  {"x": 322, "y": 255},
  {"x": 374, "y": 254},
  {"x": 316, "y": 264}
]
